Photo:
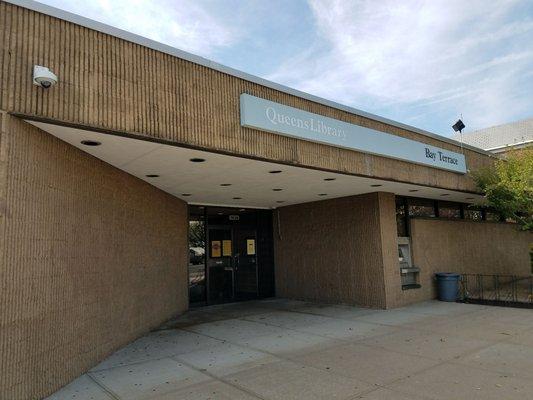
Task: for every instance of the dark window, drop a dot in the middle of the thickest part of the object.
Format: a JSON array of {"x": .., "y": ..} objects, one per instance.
[
  {"x": 408, "y": 207},
  {"x": 473, "y": 214},
  {"x": 421, "y": 208},
  {"x": 197, "y": 278},
  {"x": 401, "y": 217},
  {"x": 449, "y": 210}
]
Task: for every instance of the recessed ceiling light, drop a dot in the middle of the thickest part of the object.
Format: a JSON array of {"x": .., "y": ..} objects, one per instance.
[
  {"x": 322, "y": 194},
  {"x": 152, "y": 176},
  {"x": 186, "y": 194},
  {"x": 376, "y": 185},
  {"x": 445, "y": 194},
  {"x": 197, "y": 160},
  {"x": 329, "y": 179},
  {"x": 413, "y": 190},
  {"x": 225, "y": 184},
  {"x": 90, "y": 143},
  {"x": 237, "y": 198},
  {"x": 276, "y": 171},
  {"x": 277, "y": 190},
  {"x": 280, "y": 201}
]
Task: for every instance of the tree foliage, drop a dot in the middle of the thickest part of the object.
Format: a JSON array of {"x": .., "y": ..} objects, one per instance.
[{"x": 508, "y": 187}]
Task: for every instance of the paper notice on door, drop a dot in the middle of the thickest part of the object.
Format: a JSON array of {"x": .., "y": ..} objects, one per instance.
[
  {"x": 226, "y": 248},
  {"x": 215, "y": 248},
  {"x": 250, "y": 247}
]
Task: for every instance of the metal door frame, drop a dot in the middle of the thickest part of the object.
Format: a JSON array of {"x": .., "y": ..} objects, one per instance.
[{"x": 232, "y": 227}]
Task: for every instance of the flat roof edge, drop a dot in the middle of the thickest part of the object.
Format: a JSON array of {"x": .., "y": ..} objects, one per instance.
[
  {"x": 137, "y": 39},
  {"x": 510, "y": 145}
]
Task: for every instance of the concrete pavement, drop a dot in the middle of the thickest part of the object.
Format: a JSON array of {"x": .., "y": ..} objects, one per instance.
[{"x": 286, "y": 349}]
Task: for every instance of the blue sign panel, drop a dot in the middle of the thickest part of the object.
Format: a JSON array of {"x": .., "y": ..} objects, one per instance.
[{"x": 273, "y": 117}]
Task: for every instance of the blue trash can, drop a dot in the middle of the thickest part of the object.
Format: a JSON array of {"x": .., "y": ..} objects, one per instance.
[{"x": 448, "y": 286}]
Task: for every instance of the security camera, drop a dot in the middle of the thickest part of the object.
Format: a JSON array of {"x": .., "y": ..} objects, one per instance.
[{"x": 43, "y": 77}]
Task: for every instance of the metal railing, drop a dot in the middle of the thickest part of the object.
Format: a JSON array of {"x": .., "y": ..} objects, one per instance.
[{"x": 510, "y": 290}]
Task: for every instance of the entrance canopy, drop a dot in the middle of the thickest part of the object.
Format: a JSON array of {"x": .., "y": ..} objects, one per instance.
[{"x": 201, "y": 177}]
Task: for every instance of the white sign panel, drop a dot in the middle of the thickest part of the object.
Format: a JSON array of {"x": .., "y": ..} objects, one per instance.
[{"x": 273, "y": 117}]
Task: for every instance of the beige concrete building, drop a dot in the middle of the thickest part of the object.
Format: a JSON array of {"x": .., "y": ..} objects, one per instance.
[{"x": 146, "y": 179}]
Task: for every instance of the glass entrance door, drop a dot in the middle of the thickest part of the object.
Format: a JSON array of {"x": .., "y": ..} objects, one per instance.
[
  {"x": 245, "y": 263},
  {"x": 230, "y": 254},
  {"x": 232, "y": 264},
  {"x": 220, "y": 272}
]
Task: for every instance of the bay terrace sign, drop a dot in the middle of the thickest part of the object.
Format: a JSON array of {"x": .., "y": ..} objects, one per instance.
[{"x": 277, "y": 118}]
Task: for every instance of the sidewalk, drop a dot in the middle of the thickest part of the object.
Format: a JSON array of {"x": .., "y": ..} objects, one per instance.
[{"x": 284, "y": 349}]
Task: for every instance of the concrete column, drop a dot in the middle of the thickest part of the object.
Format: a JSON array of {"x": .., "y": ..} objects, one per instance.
[
  {"x": 337, "y": 251},
  {"x": 389, "y": 249}
]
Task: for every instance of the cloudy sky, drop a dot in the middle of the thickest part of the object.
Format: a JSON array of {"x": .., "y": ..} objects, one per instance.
[{"x": 424, "y": 63}]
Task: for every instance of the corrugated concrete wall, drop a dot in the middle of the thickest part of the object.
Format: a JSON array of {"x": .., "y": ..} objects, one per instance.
[
  {"x": 333, "y": 250},
  {"x": 389, "y": 239},
  {"x": 111, "y": 84},
  {"x": 463, "y": 247},
  {"x": 90, "y": 258}
]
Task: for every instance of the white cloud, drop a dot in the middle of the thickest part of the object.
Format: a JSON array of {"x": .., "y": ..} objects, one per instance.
[
  {"x": 184, "y": 24},
  {"x": 388, "y": 54}
]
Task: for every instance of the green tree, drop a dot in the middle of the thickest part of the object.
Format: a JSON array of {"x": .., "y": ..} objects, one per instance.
[{"x": 508, "y": 187}]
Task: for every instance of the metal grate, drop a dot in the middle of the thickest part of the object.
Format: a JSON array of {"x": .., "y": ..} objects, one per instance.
[{"x": 508, "y": 290}]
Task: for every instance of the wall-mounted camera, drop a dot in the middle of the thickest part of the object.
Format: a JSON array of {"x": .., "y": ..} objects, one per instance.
[{"x": 43, "y": 77}]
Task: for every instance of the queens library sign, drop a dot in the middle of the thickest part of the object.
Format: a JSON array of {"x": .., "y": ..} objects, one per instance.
[{"x": 277, "y": 118}]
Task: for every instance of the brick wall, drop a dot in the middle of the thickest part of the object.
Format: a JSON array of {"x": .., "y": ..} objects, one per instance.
[{"x": 90, "y": 258}]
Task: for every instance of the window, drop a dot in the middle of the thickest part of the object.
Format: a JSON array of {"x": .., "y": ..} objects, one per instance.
[
  {"x": 473, "y": 214},
  {"x": 197, "y": 275},
  {"x": 409, "y": 207},
  {"x": 449, "y": 210},
  {"x": 421, "y": 208},
  {"x": 401, "y": 217}
]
